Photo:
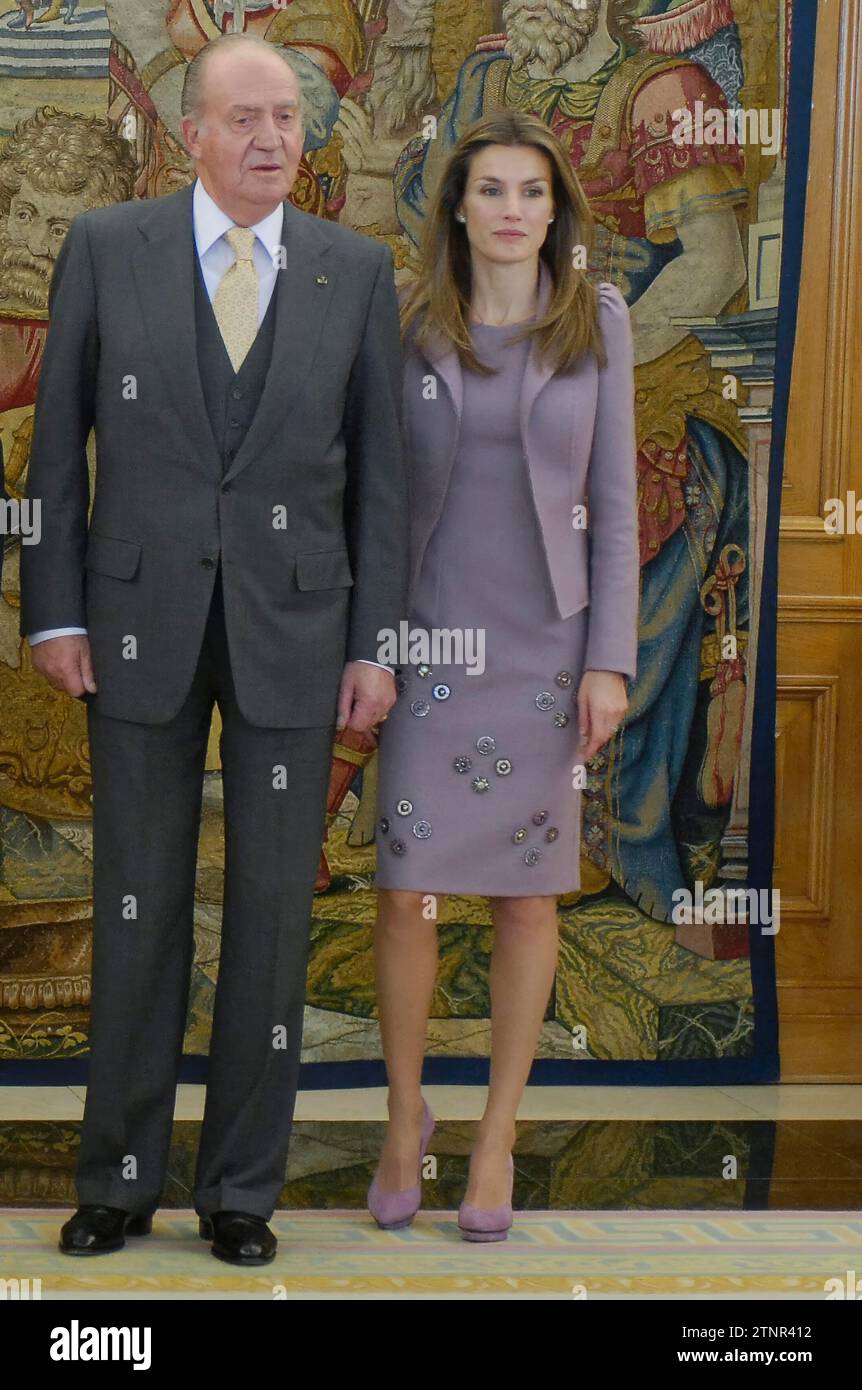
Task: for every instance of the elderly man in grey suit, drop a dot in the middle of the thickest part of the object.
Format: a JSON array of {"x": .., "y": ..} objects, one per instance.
[{"x": 240, "y": 363}]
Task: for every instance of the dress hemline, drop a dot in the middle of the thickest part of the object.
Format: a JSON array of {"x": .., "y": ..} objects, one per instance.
[{"x": 474, "y": 892}]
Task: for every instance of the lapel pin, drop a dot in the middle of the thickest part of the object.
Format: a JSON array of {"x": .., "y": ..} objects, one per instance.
[{"x": 321, "y": 280}]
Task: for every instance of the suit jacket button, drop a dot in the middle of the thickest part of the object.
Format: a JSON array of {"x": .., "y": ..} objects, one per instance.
[
  {"x": 208, "y": 563},
  {"x": 226, "y": 487}
]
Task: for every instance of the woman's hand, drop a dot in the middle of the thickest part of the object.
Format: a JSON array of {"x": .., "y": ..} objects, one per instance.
[{"x": 602, "y": 702}]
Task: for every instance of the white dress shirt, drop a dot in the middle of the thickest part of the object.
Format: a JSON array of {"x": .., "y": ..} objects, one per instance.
[{"x": 216, "y": 257}]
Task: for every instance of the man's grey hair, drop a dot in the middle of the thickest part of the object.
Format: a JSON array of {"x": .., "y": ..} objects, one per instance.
[{"x": 191, "y": 101}]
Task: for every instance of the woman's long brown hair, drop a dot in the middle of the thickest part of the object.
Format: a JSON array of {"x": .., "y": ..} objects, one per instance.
[{"x": 438, "y": 300}]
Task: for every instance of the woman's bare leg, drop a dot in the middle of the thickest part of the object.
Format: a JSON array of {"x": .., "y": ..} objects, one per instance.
[
  {"x": 523, "y": 963},
  {"x": 405, "y": 964}
]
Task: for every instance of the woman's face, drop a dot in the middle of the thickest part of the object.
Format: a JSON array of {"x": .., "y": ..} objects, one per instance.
[{"x": 508, "y": 203}]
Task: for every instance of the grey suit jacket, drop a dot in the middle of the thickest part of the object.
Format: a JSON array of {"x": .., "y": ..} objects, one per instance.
[
  {"x": 578, "y": 435},
  {"x": 310, "y": 518}
]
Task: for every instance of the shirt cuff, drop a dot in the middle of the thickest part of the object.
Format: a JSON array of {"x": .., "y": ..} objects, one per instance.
[
  {"x": 366, "y": 662},
  {"x": 49, "y": 632}
]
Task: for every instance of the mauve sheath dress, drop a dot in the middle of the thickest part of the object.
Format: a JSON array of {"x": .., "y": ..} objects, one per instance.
[{"x": 475, "y": 790}]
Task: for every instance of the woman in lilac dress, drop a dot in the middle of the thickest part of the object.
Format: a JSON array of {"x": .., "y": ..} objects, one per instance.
[{"x": 519, "y": 418}]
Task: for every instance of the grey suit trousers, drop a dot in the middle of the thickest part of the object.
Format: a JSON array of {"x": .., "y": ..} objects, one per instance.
[{"x": 147, "y": 792}]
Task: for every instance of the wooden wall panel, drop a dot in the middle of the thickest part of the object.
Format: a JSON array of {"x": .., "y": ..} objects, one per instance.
[{"x": 818, "y": 864}]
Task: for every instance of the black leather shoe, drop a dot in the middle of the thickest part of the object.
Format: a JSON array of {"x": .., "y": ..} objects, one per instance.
[
  {"x": 238, "y": 1237},
  {"x": 98, "y": 1230}
]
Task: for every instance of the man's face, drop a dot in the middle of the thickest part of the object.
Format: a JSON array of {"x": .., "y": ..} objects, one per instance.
[
  {"x": 247, "y": 140},
  {"x": 548, "y": 32},
  {"x": 32, "y": 237}
]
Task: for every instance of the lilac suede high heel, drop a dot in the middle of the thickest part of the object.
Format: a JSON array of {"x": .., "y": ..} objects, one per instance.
[
  {"x": 394, "y": 1210},
  {"x": 478, "y": 1223}
]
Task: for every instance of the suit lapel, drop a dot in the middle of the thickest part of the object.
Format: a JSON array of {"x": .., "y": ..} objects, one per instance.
[{"x": 164, "y": 270}]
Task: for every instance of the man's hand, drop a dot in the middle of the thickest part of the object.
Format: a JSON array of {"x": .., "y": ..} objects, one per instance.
[
  {"x": 602, "y": 702},
  {"x": 366, "y": 696},
  {"x": 66, "y": 663}
]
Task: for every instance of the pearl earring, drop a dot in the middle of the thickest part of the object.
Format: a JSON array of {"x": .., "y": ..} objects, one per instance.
[{"x": 459, "y": 217}]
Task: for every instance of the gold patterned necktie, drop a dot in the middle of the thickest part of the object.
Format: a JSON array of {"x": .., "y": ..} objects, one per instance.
[{"x": 235, "y": 301}]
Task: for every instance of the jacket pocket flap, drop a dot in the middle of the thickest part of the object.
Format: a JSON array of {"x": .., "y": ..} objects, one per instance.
[
  {"x": 110, "y": 555},
  {"x": 323, "y": 569}
]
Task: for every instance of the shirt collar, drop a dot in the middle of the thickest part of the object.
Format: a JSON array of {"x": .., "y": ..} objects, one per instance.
[{"x": 210, "y": 223}]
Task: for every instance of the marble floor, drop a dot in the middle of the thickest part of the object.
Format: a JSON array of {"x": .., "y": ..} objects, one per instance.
[
  {"x": 579, "y": 1148},
  {"x": 787, "y": 1102},
  {"x": 750, "y": 1192}
]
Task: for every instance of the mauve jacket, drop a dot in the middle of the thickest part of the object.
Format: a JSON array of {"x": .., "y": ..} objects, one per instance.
[{"x": 578, "y": 435}]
